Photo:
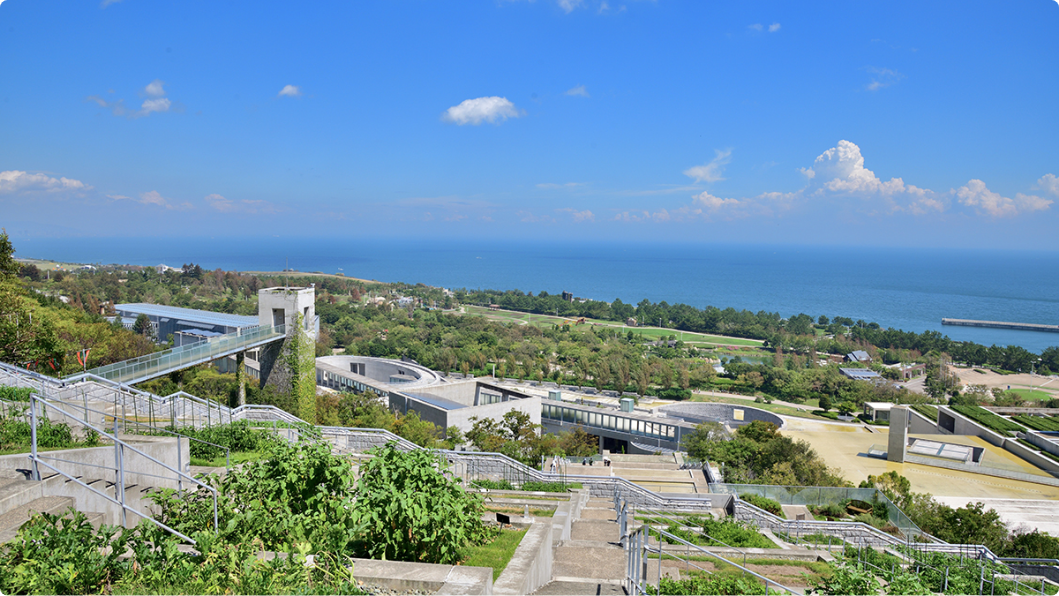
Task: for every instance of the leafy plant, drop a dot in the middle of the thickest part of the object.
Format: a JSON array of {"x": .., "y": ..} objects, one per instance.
[
  {"x": 710, "y": 584},
  {"x": 55, "y": 554},
  {"x": 408, "y": 509},
  {"x": 847, "y": 578}
]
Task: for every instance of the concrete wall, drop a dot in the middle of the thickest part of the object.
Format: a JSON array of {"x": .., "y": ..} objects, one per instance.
[
  {"x": 531, "y": 565},
  {"x": 1044, "y": 442},
  {"x": 292, "y": 301},
  {"x": 95, "y": 467},
  {"x": 460, "y": 417},
  {"x": 961, "y": 425},
  {"x": 919, "y": 424},
  {"x": 405, "y": 577}
]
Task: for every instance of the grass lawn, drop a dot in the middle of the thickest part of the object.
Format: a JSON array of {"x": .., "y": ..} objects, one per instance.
[
  {"x": 652, "y": 333},
  {"x": 238, "y": 457},
  {"x": 1033, "y": 394},
  {"x": 496, "y": 554}
]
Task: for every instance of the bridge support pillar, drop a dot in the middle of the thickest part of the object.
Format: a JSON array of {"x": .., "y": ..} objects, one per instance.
[{"x": 240, "y": 376}]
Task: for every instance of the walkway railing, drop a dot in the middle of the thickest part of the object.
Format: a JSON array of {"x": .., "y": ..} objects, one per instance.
[
  {"x": 160, "y": 363},
  {"x": 638, "y": 549},
  {"x": 823, "y": 495}
]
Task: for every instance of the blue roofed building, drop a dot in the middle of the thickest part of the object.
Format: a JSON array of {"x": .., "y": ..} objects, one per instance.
[
  {"x": 860, "y": 374},
  {"x": 169, "y": 320}
]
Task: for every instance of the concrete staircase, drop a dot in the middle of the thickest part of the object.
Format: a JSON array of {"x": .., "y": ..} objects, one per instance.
[
  {"x": 592, "y": 561},
  {"x": 21, "y": 498}
]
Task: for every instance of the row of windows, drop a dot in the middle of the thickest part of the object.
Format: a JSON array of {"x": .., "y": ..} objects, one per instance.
[
  {"x": 610, "y": 422},
  {"x": 336, "y": 381}
]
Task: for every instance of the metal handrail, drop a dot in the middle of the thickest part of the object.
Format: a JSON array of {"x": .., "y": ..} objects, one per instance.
[
  {"x": 119, "y": 447},
  {"x": 655, "y": 513},
  {"x": 643, "y": 545},
  {"x": 155, "y": 429}
]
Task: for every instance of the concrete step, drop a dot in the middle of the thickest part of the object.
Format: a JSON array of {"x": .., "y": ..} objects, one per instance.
[
  {"x": 597, "y": 564},
  {"x": 561, "y": 587},
  {"x": 12, "y": 520},
  {"x": 597, "y": 530}
]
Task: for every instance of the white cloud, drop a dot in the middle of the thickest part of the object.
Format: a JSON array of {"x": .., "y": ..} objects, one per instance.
[
  {"x": 157, "y": 102},
  {"x": 154, "y": 88},
  {"x": 883, "y": 77},
  {"x": 579, "y": 91},
  {"x": 13, "y": 181},
  {"x": 225, "y": 205},
  {"x": 841, "y": 169},
  {"x": 569, "y": 5},
  {"x": 1049, "y": 183},
  {"x": 153, "y": 105},
  {"x": 713, "y": 203},
  {"x": 755, "y": 27},
  {"x": 774, "y": 27},
  {"x": 975, "y": 194},
  {"x": 712, "y": 171},
  {"x": 482, "y": 109},
  {"x": 155, "y": 198},
  {"x": 290, "y": 91}
]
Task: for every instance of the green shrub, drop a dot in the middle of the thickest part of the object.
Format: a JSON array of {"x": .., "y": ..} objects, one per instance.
[
  {"x": 16, "y": 393},
  {"x": 493, "y": 484},
  {"x": 546, "y": 487},
  {"x": 847, "y": 578},
  {"x": 708, "y": 584},
  {"x": 765, "y": 503},
  {"x": 407, "y": 509}
]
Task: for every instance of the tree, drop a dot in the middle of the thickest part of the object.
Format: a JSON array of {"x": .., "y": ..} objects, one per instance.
[
  {"x": 143, "y": 326},
  {"x": 825, "y": 403},
  {"x": 26, "y": 336},
  {"x": 30, "y": 271}
]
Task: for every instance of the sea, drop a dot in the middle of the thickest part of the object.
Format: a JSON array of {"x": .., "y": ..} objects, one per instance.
[{"x": 904, "y": 288}]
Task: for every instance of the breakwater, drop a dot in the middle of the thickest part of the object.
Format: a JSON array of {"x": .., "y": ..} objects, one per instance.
[{"x": 1000, "y": 325}]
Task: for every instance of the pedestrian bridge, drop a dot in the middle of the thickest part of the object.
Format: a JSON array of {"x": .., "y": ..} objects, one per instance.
[{"x": 158, "y": 364}]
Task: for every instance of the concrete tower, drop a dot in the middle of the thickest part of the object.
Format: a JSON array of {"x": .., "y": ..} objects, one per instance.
[{"x": 289, "y": 367}]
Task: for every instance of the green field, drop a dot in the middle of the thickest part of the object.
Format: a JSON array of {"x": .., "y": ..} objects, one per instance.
[
  {"x": 652, "y": 333},
  {"x": 1033, "y": 394}
]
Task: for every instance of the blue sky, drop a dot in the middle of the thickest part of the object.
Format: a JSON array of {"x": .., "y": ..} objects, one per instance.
[{"x": 845, "y": 123}]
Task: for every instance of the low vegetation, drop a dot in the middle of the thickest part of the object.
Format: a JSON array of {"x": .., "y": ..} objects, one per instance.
[
  {"x": 759, "y": 454},
  {"x": 989, "y": 420}
]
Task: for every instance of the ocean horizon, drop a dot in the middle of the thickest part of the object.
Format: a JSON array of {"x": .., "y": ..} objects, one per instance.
[{"x": 905, "y": 288}]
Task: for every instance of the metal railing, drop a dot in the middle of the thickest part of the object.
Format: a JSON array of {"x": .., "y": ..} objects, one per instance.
[
  {"x": 822, "y": 496},
  {"x": 145, "y": 367},
  {"x": 121, "y": 448},
  {"x": 638, "y": 550}
]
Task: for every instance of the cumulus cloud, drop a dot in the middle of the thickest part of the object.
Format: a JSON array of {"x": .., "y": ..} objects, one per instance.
[
  {"x": 290, "y": 91},
  {"x": 710, "y": 172},
  {"x": 578, "y": 91},
  {"x": 13, "y": 181},
  {"x": 493, "y": 110},
  {"x": 975, "y": 194},
  {"x": 774, "y": 27},
  {"x": 154, "y": 88},
  {"x": 713, "y": 203},
  {"x": 224, "y": 205},
  {"x": 1049, "y": 184}
]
